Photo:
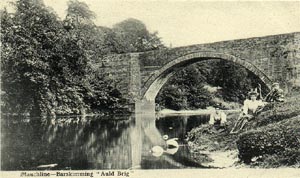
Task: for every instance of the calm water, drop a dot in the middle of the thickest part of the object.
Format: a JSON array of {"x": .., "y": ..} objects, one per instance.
[{"x": 115, "y": 142}]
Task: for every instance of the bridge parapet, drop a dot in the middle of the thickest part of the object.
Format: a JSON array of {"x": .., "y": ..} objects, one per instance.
[
  {"x": 263, "y": 52},
  {"x": 274, "y": 58}
]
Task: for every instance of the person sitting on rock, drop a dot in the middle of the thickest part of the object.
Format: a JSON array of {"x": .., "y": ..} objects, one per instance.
[
  {"x": 218, "y": 118},
  {"x": 251, "y": 107},
  {"x": 275, "y": 95}
]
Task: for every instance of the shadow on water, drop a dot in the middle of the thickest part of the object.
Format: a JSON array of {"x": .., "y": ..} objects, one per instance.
[
  {"x": 91, "y": 142},
  {"x": 69, "y": 142},
  {"x": 176, "y": 127}
]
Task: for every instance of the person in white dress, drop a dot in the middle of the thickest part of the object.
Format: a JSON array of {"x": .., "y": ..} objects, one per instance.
[{"x": 250, "y": 108}]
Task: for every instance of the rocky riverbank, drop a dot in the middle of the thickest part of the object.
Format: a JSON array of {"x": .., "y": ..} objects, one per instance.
[{"x": 271, "y": 140}]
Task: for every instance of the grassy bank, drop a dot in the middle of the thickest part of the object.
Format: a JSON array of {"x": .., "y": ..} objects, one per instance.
[{"x": 270, "y": 140}]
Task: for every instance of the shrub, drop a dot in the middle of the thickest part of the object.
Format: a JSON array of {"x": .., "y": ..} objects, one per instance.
[
  {"x": 281, "y": 138},
  {"x": 279, "y": 111}
]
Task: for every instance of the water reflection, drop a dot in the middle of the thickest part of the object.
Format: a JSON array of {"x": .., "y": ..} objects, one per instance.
[
  {"x": 176, "y": 127},
  {"x": 72, "y": 143},
  {"x": 82, "y": 142}
]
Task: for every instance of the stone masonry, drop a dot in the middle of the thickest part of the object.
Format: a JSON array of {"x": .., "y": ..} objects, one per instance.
[{"x": 271, "y": 58}]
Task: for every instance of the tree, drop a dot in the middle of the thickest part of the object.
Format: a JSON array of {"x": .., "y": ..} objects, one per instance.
[
  {"x": 47, "y": 68},
  {"x": 79, "y": 12},
  {"x": 133, "y": 36},
  {"x": 32, "y": 36},
  {"x": 185, "y": 90},
  {"x": 233, "y": 80}
]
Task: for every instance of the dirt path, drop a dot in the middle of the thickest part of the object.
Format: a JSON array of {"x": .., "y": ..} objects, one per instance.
[{"x": 221, "y": 159}]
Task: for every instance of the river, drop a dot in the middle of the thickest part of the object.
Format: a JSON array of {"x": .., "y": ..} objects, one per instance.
[{"x": 96, "y": 142}]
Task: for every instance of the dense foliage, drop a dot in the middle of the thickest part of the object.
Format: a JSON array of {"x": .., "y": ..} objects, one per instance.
[
  {"x": 279, "y": 111},
  {"x": 47, "y": 65},
  {"x": 274, "y": 136},
  {"x": 133, "y": 36},
  {"x": 280, "y": 139},
  {"x": 269, "y": 140},
  {"x": 208, "y": 83}
]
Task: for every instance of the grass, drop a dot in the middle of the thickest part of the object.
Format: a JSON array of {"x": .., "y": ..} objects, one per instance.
[
  {"x": 271, "y": 140},
  {"x": 278, "y": 142}
]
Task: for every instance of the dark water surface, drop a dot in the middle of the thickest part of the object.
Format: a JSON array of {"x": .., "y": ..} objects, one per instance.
[{"x": 85, "y": 142}]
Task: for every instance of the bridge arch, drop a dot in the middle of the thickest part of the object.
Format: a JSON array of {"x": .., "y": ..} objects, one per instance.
[{"x": 162, "y": 75}]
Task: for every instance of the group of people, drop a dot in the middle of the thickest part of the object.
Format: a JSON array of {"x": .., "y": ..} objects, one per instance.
[{"x": 251, "y": 108}]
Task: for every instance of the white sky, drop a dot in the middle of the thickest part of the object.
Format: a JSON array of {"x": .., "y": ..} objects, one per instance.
[{"x": 193, "y": 22}]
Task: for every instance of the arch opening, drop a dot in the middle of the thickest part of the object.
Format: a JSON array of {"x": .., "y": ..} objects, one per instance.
[{"x": 160, "y": 77}]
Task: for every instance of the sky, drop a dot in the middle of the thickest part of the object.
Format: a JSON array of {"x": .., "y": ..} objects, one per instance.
[{"x": 183, "y": 22}]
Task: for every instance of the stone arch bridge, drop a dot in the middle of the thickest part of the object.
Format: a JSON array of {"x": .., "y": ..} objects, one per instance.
[{"x": 140, "y": 76}]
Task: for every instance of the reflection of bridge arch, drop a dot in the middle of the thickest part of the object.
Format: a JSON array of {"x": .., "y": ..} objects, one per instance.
[{"x": 161, "y": 76}]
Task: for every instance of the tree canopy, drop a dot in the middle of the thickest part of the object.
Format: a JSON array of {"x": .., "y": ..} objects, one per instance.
[
  {"x": 48, "y": 65},
  {"x": 189, "y": 88},
  {"x": 79, "y": 12},
  {"x": 47, "y": 68},
  {"x": 133, "y": 36}
]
